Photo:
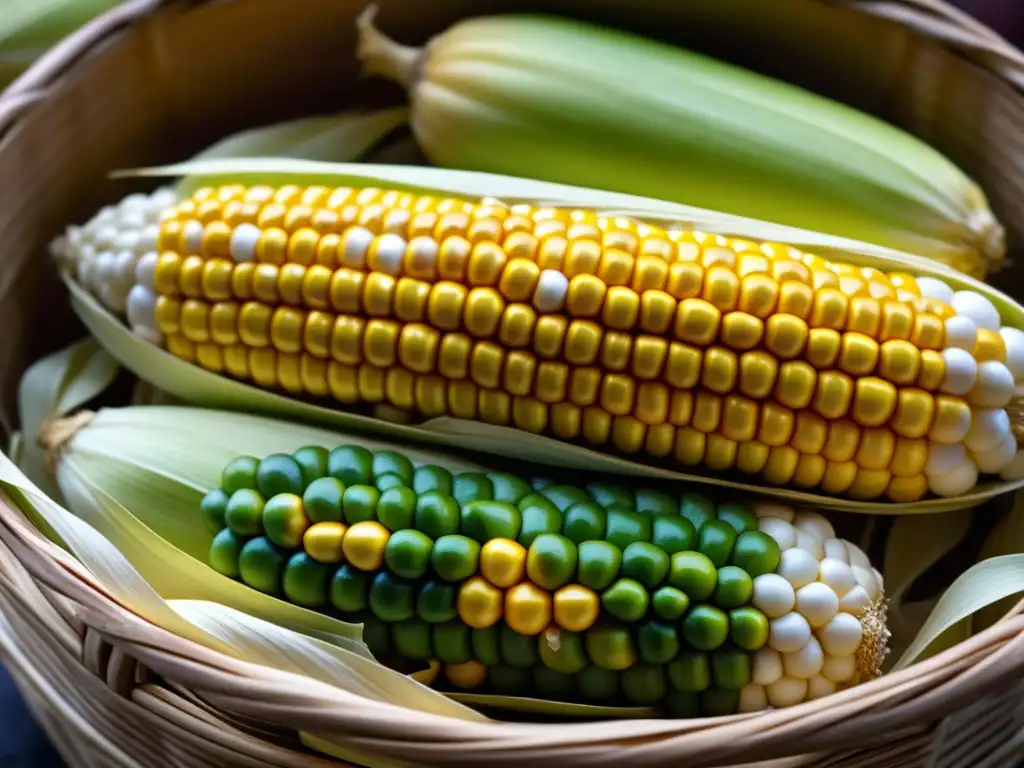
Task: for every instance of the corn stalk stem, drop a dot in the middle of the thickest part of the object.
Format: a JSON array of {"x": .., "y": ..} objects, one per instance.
[{"x": 383, "y": 56}]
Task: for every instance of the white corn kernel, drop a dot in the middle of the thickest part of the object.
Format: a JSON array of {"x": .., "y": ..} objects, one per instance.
[
  {"x": 994, "y": 460},
  {"x": 836, "y": 550},
  {"x": 753, "y": 698},
  {"x": 855, "y": 602},
  {"x": 837, "y": 574},
  {"x": 810, "y": 543},
  {"x": 242, "y": 244},
  {"x": 943, "y": 458},
  {"x": 994, "y": 386},
  {"x": 819, "y": 687},
  {"x": 989, "y": 427},
  {"x": 961, "y": 371},
  {"x": 767, "y": 666},
  {"x": 839, "y": 669},
  {"x": 973, "y": 305},
  {"x": 817, "y": 603},
  {"x": 192, "y": 235},
  {"x": 354, "y": 245},
  {"x": 798, "y": 567},
  {"x": 1013, "y": 338},
  {"x": 805, "y": 662},
  {"x": 390, "y": 251},
  {"x": 815, "y": 524},
  {"x": 549, "y": 295},
  {"x": 931, "y": 288},
  {"x": 961, "y": 333},
  {"x": 789, "y": 633},
  {"x": 787, "y": 692},
  {"x": 867, "y": 578},
  {"x": 841, "y": 636},
  {"x": 773, "y": 595},
  {"x": 767, "y": 509},
  {"x": 784, "y": 533}
]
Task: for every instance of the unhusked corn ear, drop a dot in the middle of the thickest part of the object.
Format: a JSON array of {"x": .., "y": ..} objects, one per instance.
[
  {"x": 654, "y": 120},
  {"x": 681, "y": 346},
  {"x": 594, "y": 593}
]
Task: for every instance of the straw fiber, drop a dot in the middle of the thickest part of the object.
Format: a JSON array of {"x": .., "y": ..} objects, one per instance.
[{"x": 155, "y": 81}]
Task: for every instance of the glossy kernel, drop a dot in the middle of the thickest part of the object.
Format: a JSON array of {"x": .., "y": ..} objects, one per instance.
[
  {"x": 858, "y": 354},
  {"x": 741, "y": 330},
  {"x": 915, "y": 410},
  {"x": 720, "y": 368},
  {"x": 795, "y": 385},
  {"x": 785, "y": 335},
  {"x": 874, "y": 401},
  {"x": 697, "y": 322},
  {"x": 899, "y": 362},
  {"x": 757, "y": 373},
  {"x": 833, "y": 395}
]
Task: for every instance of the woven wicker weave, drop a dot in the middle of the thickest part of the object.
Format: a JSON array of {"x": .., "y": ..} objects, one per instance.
[{"x": 154, "y": 81}]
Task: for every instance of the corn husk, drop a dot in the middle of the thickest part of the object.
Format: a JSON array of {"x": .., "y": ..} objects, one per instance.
[{"x": 200, "y": 387}]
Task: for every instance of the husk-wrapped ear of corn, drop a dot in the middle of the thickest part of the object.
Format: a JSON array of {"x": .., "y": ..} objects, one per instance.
[
  {"x": 666, "y": 344},
  {"x": 566, "y": 101},
  {"x": 595, "y": 592}
]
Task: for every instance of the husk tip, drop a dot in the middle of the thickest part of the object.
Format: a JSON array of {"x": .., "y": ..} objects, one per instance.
[
  {"x": 54, "y": 435},
  {"x": 380, "y": 55}
]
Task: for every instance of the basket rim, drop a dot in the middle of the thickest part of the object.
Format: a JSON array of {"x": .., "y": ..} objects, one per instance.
[{"x": 915, "y": 697}]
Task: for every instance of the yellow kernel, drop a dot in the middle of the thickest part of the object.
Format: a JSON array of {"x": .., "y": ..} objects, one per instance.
[
  {"x": 809, "y": 433},
  {"x": 529, "y": 415},
  {"x": 785, "y": 335},
  {"x": 289, "y": 283},
  {"x": 462, "y": 399},
  {"x": 929, "y": 331},
  {"x": 689, "y": 446},
  {"x": 933, "y": 370},
  {"x": 190, "y": 277},
  {"x": 550, "y": 254},
  {"x": 519, "y": 279},
  {"x": 300, "y": 216},
  {"x": 479, "y": 604},
  {"x": 181, "y": 347},
  {"x": 165, "y": 275},
  {"x": 707, "y": 411},
  {"x": 411, "y": 297},
  {"x": 597, "y": 425},
  {"x": 224, "y": 322},
  {"x": 272, "y": 246},
  {"x": 725, "y": 258},
  {"x": 902, "y": 281},
  {"x": 584, "y": 384},
  {"x": 585, "y": 296},
  {"x": 686, "y": 250},
  {"x": 453, "y": 358},
  {"x": 876, "y": 448},
  {"x": 265, "y": 283},
  {"x": 444, "y": 307},
  {"x": 215, "y": 243},
  {"x": 485, "y": 364},
  {"x": 254, "y": 324},
  {"x": 628, "y": 434},
  {"x": 865, "y": 316},
  {"x": 657, "y": 310},
  {"x": 453, "y": 257},
  {"x": 684, "y": 363},
  {"x": 582, "y": 257},
  {"x": 810, "y": 470},
  {"x": 195, "y": 321},
  {"x": 989, "y": 345},
  {"x": 652, "y": 401},
  {"x": 854, "y": 286},
  {"x": 378, "y": 291},
  {"x": 549, "y": 335},
  {"x": 757, "y": 372},
  {"x": 216, "y": 279},
  {"x": 621, "y": 308},
  {"x": 302, "y": 246},
  {"x": 822, "y": 278},
  {"x": 209, "y": 356},
  {"x": 915, "y": 410},
  {"x": 788, "y": 270},
  {"x": 522, "y": 245},
  {"x": 417, "y": 347},
  {"x": 752, "y": 263},
  {"x": 739, "y": 418},
  {"x": 495, "y": 407},
  {"x": 899, "y": 362},
  {"x": 516, "y": 326},
  {"x": 616, "y": 350},
  {"x": 421, "y": 258},
  {"x": 795, "y": 385},
  {"x": 697, "y": 321},
  {"x": 380, "y": 342},
  {"x": 874, "y": 401},
  {"x": 833, "y": 395},
  {"x": 347, "y": 339},
  {"x": 906, "y": 489},
  {"x": 839, "y": 476},
  {"x": 897, "y": 321},
  {"x": 823, "y": 346},
  {"x": 316, "y": 287},
  {"x": 858, "y": 354},
  {"x": 286, "y": 329},
  {"x": 843, "y": 440},
  {"x": 781, "y": 465},
  {"x": 325, "y": 222},
  {"x": 552, "y": 382},
  {"x": 741, "y": 330},
  {"x": 566, "y": 420},
  {"x": 684, "y": 280},
  {"x": 720, "y": 369},
  {"x": 517, "y": 376},
  {"x": 830, "y": 309},
  {"x": 758, "y": 295},
  {"x": 909, "y": 457},
  {"x": 650, "y": 274},
  {"x": 869, "y": 483},
  {"x": 576, "y": 608},
  {"x": 527, "y": 609},
  {"x": 617, "y": 394},
  {"x": 399, "y": 388},
  {"x": 316, "y": 335},
  {"x": 486, "y": 262},
  {"x": 680, "y": 408},
  {"x": 795, "y": 299},
  {"x": 484, "y": 230},
  {"x": 313, "y": 376},
  {"x": 776, "y": 425},
  {"x": 346, "y": 291},
  {"x": 721, "y": 288},
  {"x": 649, "y": 354},
  {"x": 482, "y": 312},
  {"x": 721, "y": 453},
  {"x": 615, "y": 266},
  {"x": 451, "y": 225},
  {"x": 751, "y": 457}
]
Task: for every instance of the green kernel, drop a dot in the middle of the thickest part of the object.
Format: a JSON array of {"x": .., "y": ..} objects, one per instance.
[
  {"x": 716, "y": 540},
  {"x": 551, "y": 684},
  {"x": 705, "y": 627},
  {"x": 312, "y": 460},
  {"x": 564, "y": 496},
  {"x": 694, "y": 574},
  {"x": 670, "y": 603},
  {"x": 487, "y": 645},
  {"x": 436, "y": 602},
  {"x": 562, "y": 651},
  {"x": 437, "y": 514},
  {"x": 377, "y": 636},
  {"x": 551, "y": 561},
  {"x": 392, "y": 598},
  {"x": 486, "y": 520},
  {"x": 682, "y": 704},
  {"x": 396, "y": 508},
  {"x": 623, "y": 528},
  {"x": 651, "y": 503},
  {"x": 730, "y": 668},
  {"x": 611, "y": 647},
  {"x": 599, "y": 564},
  {"x": 518, "y": 651},
  {"x": 214, "y": 506},
  {"x": 305, "y": 581},
  {"x": 612, "y": 496},
  {"x": 690, "y": 672},
  {"x": 243, "y": 513},
  {"x": 538, "y": 516},
  {"x": 697, "y": 509},
  {"x": 645, "y": 563},
  {"x": 412, "y": 640},
  {"x": 658, "y": 642},
  {"x": 359, "y": 503},
  {"x": 756, "y": 553},
  {"x": 392, "y": 463},
  {"x": 507, "y": 680},
  {"x": 225, "y": 551},
  {"x": 323, "y": 500},
  {"x": 279, "y": 473},
  {"x": 349, "y": 589},
  {"x": 284, "y": 520},
  {"x": 351, "y": 464},
  {"x": 644, "y": 684},
  {"x": 673, "y": 534},
  {"x": 626, "y": 600},
  {"x": 738, "y": 516},
  {"x": 734, "y": 587},
  {"x": 454, "y": 558},
  {"x": 451, "y": 642},
  {"x": 472, "y": 486},
  {"x": 540, "y": 483},
  {"x": 508, "y": 488},
  {"x": 239, "y": 473},
  {"x": 597, "y": 684},
  {"x": 748, "y": 628},
  {"x": 432, "y": 478},
  {"x": 584, "y": 521},
  {"x": 407, "y": 553},
  {"x": 717, "y": 702},
  {"x": 388, "y": 481},
  {"x": 260, "y": 565}
]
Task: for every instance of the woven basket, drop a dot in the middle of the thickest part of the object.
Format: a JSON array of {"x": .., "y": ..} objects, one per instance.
[{"x": 155, "y": 81}]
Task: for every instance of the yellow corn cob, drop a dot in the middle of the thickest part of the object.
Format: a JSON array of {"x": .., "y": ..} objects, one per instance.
[{"x": 678, "y": 345}]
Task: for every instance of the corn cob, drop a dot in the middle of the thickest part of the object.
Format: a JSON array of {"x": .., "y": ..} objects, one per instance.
[
  {"x": 596, "y": 593},
  {"x": 699, "y": 349},
  {"x": 564, "y": 101}
]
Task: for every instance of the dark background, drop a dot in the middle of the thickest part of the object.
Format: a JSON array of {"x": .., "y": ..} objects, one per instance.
[{"x": 23, "y": 744}]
